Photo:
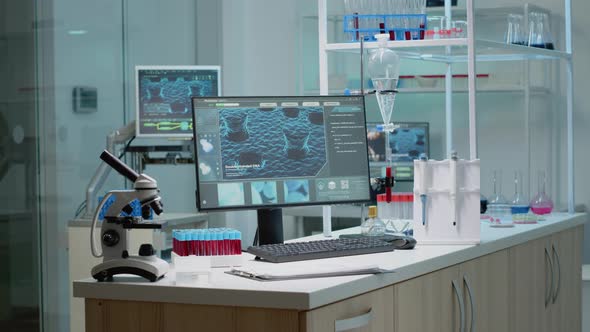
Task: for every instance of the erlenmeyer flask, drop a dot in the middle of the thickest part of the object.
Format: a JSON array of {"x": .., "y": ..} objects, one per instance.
[
  {"x": 540, "y": 31},
  {"x": 547, "y": 37},
  {"x": 519, "y": 198},
  {"x": 520, "y": 204},
  {"x": 541, "y": 203},
  {"x": 515, "y": 31}
]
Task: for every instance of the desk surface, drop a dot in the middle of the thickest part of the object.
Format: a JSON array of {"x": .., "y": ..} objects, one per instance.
[{"x": 305, "y": 294}]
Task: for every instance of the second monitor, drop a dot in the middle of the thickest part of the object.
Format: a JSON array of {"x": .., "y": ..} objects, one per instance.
[{"x": 406, "y": 142}]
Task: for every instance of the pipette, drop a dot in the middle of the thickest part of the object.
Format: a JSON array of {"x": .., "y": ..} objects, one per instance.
[
  {"x": 453, "y": 190},
  {"x": 422, "y": 185}
]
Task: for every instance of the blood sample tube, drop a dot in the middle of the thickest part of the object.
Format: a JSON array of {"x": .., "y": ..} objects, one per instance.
[
  {"x": 181, "y": 248},
  {"x": 189, "y": 242},
  {"x": 238, "y": 243},
  {"x": 226, "y": 242},
  {"x": 174, "y": 242},
  {"x": 194, "y": 242},
  {"x": 208, "y": 249},
  {"x": 215, "y": 243},
  {"x": 202, "y": 249}
]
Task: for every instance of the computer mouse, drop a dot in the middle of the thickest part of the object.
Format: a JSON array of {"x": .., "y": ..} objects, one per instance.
[{"x": 404, "y": 242}]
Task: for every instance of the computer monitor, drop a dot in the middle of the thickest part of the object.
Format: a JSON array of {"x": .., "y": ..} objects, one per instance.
[
  {"x": 264, "y": 153},
  {"x": 163, "y": 98},
  {"x": 407, "y": 142}
]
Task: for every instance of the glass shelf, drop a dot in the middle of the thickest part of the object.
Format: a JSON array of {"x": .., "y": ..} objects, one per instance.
[
  {"x": 455, "y": 50},
  {"x": 422, "y": 90}
]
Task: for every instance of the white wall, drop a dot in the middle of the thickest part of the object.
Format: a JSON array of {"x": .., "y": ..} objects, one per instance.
[
  {"x": 259, "y": 47},
  {"x": 581, "y": 46}
]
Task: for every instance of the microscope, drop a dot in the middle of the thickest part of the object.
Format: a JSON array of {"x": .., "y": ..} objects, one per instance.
[{"x": 114, "y": 232}]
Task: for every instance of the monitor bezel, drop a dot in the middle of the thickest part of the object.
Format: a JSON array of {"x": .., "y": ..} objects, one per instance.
[
  {"x": 279, "y": 205},
  {"x": 138, "y": 68}
]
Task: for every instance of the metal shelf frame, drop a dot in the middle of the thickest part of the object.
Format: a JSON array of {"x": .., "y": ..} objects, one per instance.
[{"x": 471, "y": 51}]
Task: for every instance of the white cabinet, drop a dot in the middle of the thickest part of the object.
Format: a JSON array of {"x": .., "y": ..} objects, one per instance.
[
  {"x": 546, "y": 283},
  {"x": 472, "y": 296}
]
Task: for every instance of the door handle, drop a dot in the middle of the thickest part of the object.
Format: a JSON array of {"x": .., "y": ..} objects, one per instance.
[
  {"x": 471, "y": 302},
  {"x": 558, "y": 263},
  {"x": 353, "y": 322},
  {"x": 459, "y": 295},
  {"x": 548, "y": 292}
]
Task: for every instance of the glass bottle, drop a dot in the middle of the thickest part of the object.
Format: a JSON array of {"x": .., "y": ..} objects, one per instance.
[
  {"x": 541, "y": 203},
  {"x": 373, "y": 226},
  {"x": 497, "y": 197}
]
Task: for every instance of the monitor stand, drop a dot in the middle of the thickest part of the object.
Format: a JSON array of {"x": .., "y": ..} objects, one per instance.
[{"x": 270, "y": 226}]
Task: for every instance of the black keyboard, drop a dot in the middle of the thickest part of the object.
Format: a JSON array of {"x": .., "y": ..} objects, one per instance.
[{"x": 299, "y": 251}]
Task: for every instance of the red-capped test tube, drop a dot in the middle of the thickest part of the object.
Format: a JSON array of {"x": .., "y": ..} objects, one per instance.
[
  {"x": 208, "y": 245},
  {"x": 227, "y": 242},
  {"x": 388, "y": 184}
]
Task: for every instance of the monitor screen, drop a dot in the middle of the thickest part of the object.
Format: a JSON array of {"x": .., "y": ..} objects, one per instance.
[
  {"x": 260, "y": 152},
  {"x": 406, "y": 143},
  {"x": 163, "y": 103}
]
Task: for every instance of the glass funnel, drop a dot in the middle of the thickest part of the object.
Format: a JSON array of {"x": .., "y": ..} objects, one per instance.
[
  {"x": 383, "y": 68},
  {"x": 541, "y": 203}
]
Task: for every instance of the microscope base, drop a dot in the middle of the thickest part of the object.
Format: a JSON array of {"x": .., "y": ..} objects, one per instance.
[{"x": 151, "y": 267}]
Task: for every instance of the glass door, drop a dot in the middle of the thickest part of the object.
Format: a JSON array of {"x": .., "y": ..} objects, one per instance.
[{"x": 19, "y": 214}]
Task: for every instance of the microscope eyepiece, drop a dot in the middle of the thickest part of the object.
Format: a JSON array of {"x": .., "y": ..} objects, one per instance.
[
  {"x": 157, "y": 206},
  {"x": 119, "y": 166}
]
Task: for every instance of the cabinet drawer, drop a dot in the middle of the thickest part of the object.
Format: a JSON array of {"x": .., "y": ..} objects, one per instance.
[{"x": 367, "y": 312}]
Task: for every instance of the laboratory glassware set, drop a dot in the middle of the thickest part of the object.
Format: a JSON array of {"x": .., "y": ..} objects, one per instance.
[
  {"x": 399, "y": 19},
  {"x": 501, "y": 211},
  {"x": 396, "y": 212},
  {"x": 438, "y": 27},
  {"x": 537, "y": 33}
]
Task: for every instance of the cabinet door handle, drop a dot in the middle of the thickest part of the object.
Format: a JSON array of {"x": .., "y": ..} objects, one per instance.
[
  {"x": 459, "y": 296},
  {"x": 558, "y": 263},
  {"x": 353, "y": 322},
  {"x": 548, "y": 292},
  {"x": 471, "y": 303}
]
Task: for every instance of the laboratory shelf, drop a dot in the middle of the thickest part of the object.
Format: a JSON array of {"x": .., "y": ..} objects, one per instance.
[
  {"x": 454, "y": 50},
  {"x": 406, "y": 46},
  {"x": 421, "y": 90},
  {"x": 470, "y": 51}
]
